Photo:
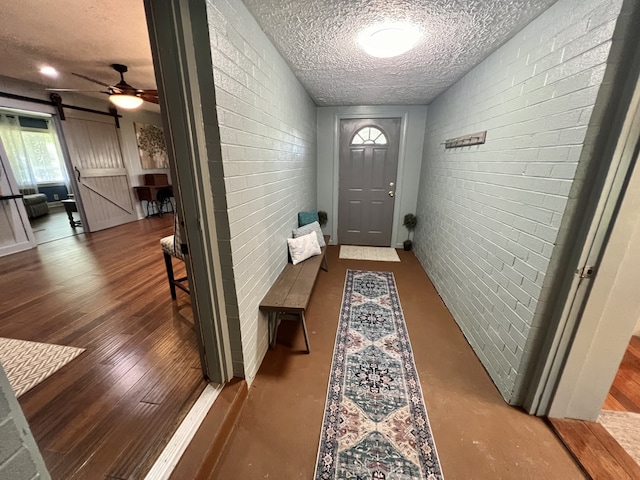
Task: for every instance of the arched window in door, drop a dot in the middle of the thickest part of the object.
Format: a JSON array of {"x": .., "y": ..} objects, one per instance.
[{"x": 369, "y": 136}]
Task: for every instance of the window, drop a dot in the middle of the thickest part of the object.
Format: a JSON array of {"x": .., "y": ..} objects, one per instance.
[
  {"x": 32, "y": 147},
  {"x": 369, "y": 136},
  {"x": 43, "y": 156}
]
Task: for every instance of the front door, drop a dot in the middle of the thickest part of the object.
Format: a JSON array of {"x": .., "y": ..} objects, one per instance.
[
  {"x": 368, "y": 167},
  {"x": 94, "y": 148}
]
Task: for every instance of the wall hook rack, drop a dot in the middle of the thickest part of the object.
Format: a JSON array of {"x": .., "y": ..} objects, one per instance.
[{"x": 466, "y": 140}]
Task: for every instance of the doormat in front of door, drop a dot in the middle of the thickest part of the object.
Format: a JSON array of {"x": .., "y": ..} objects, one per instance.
[
  {"x": 378, "y": 254},
  {"x": 375, "y": 422},
  {"x": 29, "y": 363}
]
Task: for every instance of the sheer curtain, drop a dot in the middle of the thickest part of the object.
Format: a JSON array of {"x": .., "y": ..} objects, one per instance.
[
  {"x": 34, "y": 154},
  {"x": 11, "y": 136}
]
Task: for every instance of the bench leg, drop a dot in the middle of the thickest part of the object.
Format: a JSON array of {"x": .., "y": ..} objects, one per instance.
[
  {"x": 273, "y": 329},
  {"x": 324, "y": 266},
  {"x": 168, "y": 264},
  {"x": 304, "y": 328}
]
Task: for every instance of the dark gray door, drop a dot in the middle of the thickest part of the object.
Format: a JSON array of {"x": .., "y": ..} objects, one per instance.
[{"x": 368, "y": 167}]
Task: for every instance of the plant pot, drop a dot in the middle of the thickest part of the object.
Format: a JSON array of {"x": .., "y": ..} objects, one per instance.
[{"x": 407, "y": 245}]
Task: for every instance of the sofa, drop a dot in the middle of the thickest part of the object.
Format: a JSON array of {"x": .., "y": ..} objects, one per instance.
[{"x": 35, "y": 203}]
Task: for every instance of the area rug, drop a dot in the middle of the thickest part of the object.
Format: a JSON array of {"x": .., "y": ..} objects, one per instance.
[
  {"x": 378, "y": 254},
  {"x": 375, "y": 422},
  {"x": 29, "y": 363},
  {"x": 625, "y": 428}
]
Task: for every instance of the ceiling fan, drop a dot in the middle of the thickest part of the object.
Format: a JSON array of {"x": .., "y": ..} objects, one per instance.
[{"x": 121, "y": 94}]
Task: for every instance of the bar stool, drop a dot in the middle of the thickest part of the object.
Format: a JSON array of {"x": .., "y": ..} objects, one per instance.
[{"x": 174, "y": 247}]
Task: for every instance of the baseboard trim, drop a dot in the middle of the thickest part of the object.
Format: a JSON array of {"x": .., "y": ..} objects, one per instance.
[
  {"x": 201, "y": 456},
  {"x": 170, "y": 456}
]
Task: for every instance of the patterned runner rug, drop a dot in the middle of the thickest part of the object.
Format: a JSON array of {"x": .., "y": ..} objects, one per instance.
[
  {"x": 29, "y": 363},
  {"x": 378, "y": 254},
  {"x": 375, "y": 422}
]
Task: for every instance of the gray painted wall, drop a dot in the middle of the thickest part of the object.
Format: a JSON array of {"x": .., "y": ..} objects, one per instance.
[
  {"x": 20, "y": 458},
  {"x": 267, "y": 125},
  {"x": 489, "y": 215},
  {"x": 409, "y": 164}
]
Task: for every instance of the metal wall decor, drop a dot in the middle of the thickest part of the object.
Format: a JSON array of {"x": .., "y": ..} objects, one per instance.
[{"x": 466, "y": 140}]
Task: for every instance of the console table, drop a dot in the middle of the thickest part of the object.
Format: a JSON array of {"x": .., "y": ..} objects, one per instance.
[{"x": 149, "y": 194}]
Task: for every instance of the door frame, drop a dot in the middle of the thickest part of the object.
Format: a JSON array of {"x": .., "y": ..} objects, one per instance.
[
  {"x": 387, "y": 126},
  {"x": 175, "y": 28},
  {"x": 370, "y": 112}
]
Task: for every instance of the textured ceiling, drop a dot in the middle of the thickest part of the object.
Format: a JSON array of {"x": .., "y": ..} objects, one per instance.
[
  {"x": 316, "y": 37},
  {"x": 79, "y": 36},
  {"x": 319, "y": 40}
]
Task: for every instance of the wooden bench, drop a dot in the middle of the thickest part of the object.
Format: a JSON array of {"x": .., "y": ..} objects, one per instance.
[{"x": 291, "y": 292}]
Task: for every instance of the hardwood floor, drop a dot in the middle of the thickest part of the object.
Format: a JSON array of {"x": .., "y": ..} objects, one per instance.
[
  {"x": 108, "y": 413},
  {"x": 596, "y": 450},
  {"x": 53, "y": 226},
  {"x": 590, "y": 443},
  {"x": 624, "y": 395}
]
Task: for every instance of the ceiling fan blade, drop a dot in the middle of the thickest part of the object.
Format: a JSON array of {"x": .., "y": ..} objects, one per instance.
[
  {"x": 91, "y": 79},
  {"x": 72, "y": 90},
  {"x": 149, "y": 96}
]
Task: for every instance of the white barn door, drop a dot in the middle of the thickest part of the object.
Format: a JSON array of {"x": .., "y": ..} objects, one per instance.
[{"x": 104, "y": 190}]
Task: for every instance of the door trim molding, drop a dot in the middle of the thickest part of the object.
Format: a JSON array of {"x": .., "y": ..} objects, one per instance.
[
  {"x": 176, "y": 30},
  {"x": 403, "y": 115}
]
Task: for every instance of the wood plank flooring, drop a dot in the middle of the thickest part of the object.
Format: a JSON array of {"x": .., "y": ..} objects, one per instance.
[
  {"x": 624, "y": 395},
  {"x": 109, "y": 413},
  {"x": 590, "y": 443},
  {"x": 54, "y": 226},
  {"x": 596, "y": 450}
]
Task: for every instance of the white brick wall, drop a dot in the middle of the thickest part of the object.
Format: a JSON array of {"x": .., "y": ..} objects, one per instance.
[
  {"x": 20, "y": 458},
  {"x": 488, "y": 216},
  {"x": 268, "y": 137}
]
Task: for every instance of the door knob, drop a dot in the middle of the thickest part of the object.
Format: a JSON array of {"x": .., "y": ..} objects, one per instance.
[{"x": 391, "y": 193}]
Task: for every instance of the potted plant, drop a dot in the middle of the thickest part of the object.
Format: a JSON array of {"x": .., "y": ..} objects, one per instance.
[
  {"x": 322, "y": 218},
  {"x": 410, "y": 221}
]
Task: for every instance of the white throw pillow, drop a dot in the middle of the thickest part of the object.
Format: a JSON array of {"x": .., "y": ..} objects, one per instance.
[
  {"x": 303, "y": 247},
  {"x": 310, "y": 227}
]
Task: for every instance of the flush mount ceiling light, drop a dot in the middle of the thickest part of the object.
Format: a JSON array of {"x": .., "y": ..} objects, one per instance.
[
  {"x": 49, "y": 71},
  {"x": 128, "y": 102},
  {"x": 389, "y": 40}
]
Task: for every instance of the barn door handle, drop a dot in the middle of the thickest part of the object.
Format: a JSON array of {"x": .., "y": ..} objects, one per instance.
[
  {"x": 77, "y": 172},
  {"x": 391, "y": 193}
]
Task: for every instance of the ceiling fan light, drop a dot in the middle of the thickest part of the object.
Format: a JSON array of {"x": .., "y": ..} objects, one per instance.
[
  {"x": 128, "y": 102},
  {"x": 49, "y": 71}
]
